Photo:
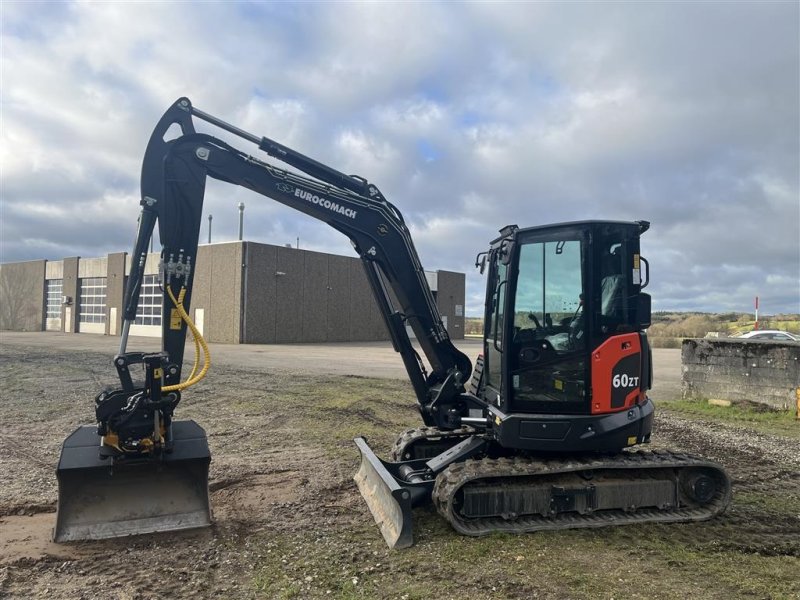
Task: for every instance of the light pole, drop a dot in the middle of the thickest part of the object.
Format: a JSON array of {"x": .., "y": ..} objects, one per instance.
[
  {"x": 210, "y": 217},
  {"x": 241, "y": 219}
]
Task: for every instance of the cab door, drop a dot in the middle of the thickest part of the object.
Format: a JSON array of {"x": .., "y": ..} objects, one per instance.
[
  {"x": 546, "y": 348},
  {"x": 494, "y": 319}
]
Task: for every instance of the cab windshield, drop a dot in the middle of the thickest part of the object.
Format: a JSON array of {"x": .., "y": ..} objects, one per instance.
[{"x": 547, "y": 357}]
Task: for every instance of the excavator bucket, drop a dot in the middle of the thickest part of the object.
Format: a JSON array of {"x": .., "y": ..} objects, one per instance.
[
  {"x": 97, "y": 500},
  {"x": 388, "y": 501}
]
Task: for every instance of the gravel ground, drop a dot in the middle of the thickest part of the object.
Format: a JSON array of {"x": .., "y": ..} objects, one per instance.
[{"x": 289, "y": 522}]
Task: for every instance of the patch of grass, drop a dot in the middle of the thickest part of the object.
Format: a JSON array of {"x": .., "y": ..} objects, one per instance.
[
  {"x": 343, "y": 408},
  {"x": 321, "y": 410},
  {"x": 787, "y": 503},
  {"x": 768, "y": 421},
  {"x": 743, "y": 574},
  {"x": 627, "y": 562}
]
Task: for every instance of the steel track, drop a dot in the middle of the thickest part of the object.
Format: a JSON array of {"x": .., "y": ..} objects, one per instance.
[
  {"x": 502, "y": 471},
  {"x": 403, "y": 446}
]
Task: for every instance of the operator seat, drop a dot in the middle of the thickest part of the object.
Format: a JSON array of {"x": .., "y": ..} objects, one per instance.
[{"x": 612, "y": 289}]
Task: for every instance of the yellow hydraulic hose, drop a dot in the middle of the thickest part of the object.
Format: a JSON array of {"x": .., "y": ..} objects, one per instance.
[
  {"x": 194, "y": 377},
  {"x": 196, "y": 364}
]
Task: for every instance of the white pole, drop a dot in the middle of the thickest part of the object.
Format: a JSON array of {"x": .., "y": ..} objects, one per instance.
[{"x": 756, "y": 325}]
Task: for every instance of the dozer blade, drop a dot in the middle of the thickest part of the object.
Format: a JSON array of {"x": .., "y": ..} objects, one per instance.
[
  {"x": 388, "y": 501},
  {"x": 96, "y": 501}
]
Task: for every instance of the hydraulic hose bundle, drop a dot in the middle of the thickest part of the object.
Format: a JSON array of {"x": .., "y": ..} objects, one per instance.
[{"x": 199, "y": 343}]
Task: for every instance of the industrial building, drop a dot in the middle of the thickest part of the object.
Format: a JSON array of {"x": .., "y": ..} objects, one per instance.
[{"x": 244, "y": 292}]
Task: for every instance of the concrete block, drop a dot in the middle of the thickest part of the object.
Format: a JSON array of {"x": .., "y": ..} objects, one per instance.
[{"x": 730, "y": 369}]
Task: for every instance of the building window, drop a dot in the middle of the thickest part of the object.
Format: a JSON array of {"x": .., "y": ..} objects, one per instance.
[
  {"x": 148, "y": 312},
  {"x": 92, "y": 308},
  {"x": 55, "y": 288}
]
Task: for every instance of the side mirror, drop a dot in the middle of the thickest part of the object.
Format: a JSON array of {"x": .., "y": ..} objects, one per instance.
[
  {"x": 643, "y": 313},
  {"x": 646, "y": 277},
  {"x": 506, "y": 251},
  {"x": 480, "y": 261}
]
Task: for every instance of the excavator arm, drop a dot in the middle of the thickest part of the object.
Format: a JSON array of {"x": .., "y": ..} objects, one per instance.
[
  {"x": 173, "y": 186},
  {"x": 129, "y": 482}
]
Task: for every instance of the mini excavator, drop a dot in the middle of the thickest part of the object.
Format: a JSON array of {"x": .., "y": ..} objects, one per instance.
[{"x": 537, "y": 436}]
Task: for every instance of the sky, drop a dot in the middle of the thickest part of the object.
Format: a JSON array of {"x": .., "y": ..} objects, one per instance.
[{"x": 467, "y": 116}]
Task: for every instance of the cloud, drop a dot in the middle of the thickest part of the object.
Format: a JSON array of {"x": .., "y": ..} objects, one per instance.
[{"x": 468, "y": 117}]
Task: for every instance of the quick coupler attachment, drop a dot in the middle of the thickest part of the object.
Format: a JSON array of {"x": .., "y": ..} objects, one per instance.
[{"x": 390, "y": 496}]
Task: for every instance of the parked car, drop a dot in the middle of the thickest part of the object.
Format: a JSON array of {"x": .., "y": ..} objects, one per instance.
[{"x": 770, "y": 334}]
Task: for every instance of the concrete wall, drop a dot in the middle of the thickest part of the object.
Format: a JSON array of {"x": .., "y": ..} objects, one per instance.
[
  {"x": 150, "y": 263},
  {"x": 339, "y": 291},
  {"x": 259, "y": 293},
  {"x": 69, "y": 313},
  {"x": 763, "y": 371},
  {"x": 54, "y": 269},
  {"x": 366, "y": 322},
  {"x": 115, "y": 292},
  {"x": 217, "y": 291},
  {"x": 450, "y": 294},
  {"x": 243, "y": 293},
  {"x": 293, "y": 296},
  {"x": 22, "y": 296},
  {"x": 93, "y": 267},
  {"x": 289, "y": 296}
]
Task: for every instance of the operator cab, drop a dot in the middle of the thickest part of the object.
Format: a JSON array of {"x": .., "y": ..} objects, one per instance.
[{"x": 564, "y": 314}]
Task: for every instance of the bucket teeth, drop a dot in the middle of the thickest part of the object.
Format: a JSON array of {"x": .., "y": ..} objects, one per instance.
[{"x": 97, "y": 500}]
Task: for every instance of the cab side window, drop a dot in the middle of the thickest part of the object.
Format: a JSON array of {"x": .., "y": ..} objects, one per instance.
[{"x": 614, "y": 294}]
